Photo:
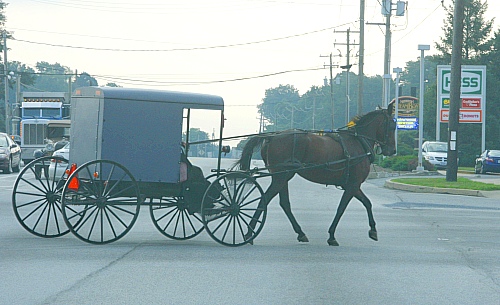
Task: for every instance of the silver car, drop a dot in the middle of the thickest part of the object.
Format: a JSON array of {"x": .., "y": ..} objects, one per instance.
[{"x": 59, "y": 170}]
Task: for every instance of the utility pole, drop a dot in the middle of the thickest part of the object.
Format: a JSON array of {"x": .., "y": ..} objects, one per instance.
[
  {"x": 387, "y": 58},
  {"x": 347, "y": 67},
  {"x": 331, "y": 85},
  {"x": 455, "y": 101},
  {"x": 6, "y": 80},
  {"x": 387, "y": 12},
  {"x": 17, "y": 108},
  {"x": 361, "y": 55}
]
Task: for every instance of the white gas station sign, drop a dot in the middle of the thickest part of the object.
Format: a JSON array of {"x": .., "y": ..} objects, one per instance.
[{"x": 472, "y": 95}]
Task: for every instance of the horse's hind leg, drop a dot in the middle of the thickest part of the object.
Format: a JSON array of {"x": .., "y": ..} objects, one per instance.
[
  {"x": 368, "y": 205},
  {"x": 285, "y": 205},
  {"x": 277, "y": 183}
]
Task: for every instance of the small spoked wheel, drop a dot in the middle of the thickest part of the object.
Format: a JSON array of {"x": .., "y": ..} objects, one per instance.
[
  {"x": 172, "y": 218},
  {"x": 234, "y": 209},
  {"x": 100, "y": 201},
  {"x": 36, "y": 196}
]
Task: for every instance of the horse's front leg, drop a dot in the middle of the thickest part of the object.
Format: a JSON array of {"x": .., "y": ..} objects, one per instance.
[
  {"x": 285, "y": 205},
  {"x": 368, "y": 205},
  {"x": 344, "y": 201}
]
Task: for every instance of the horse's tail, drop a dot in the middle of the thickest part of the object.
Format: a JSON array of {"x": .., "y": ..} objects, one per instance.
[{"x": 246, "y": 155}]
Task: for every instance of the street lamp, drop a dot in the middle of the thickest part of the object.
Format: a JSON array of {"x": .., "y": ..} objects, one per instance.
[
  {"x": 348, "y": 99},
  {"x": 422, "y": 48},
  {"x": 396, "y": 104}
]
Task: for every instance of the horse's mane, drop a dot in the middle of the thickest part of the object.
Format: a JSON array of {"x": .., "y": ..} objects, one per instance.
[{"x": 359, "y": 120}]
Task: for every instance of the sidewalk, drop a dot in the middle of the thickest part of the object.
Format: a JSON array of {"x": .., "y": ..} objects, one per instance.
[{"x": 494, "y": 179}]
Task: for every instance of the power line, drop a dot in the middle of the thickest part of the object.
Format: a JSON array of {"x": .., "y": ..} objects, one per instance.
[
  {"x": 182, "y": 49},
  {"x": 163, "y": 83}
]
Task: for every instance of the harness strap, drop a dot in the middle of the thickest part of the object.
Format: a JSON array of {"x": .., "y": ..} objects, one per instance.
[
  {"x": 338, "y": 137},
  {"x": 367, "y": 148}
]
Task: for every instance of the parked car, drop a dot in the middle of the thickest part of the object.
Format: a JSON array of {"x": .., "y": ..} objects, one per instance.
[
  {"x": 61, "y": 166},
  {"x": 488, "y": 161},
  {"x": 436, "y": 153},
  {"x": 10, "y": 154}
]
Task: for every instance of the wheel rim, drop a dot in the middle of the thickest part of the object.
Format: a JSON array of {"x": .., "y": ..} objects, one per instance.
[
  {"x": 36, "y": 197},
  {"x": 172, "y": 218},
  {"x": 233, "y": 209},
  {"x": 104, "y": 206}
]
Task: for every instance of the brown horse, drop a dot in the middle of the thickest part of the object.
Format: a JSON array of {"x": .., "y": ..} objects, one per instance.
[{"x": 342, "y": 158}]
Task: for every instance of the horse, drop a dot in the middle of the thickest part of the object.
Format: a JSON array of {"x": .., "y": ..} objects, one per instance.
[{"x": 341, "y": 158}]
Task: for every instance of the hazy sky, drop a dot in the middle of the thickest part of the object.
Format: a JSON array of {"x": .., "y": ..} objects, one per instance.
[{"x": 233, "y": 48}]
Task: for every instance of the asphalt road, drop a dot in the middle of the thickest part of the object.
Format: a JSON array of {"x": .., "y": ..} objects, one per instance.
[{"x": 432, "y": 249}]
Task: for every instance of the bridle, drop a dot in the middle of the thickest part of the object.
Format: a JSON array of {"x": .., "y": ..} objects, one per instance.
[{"x": 390, "y": 125}]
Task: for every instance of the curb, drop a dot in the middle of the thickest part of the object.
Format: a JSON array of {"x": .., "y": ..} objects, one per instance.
[{"x": 425, "y": 189}]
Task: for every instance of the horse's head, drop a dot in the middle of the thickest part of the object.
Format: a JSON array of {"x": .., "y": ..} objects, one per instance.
[
  {"x": 386, "y": 132},
  {"x": 379, "y": 127}
]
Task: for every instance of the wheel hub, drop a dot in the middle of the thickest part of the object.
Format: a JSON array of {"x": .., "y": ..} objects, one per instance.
[
  {"x": 52, "y": 197},
  {"x": 101, "y": 202},
  {"x": 234, "y": 209}
]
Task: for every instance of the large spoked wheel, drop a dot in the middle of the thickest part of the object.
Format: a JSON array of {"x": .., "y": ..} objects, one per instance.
[
  {"x": 234, "y": 209},
  {"x": 100, "y": 201},
  {"x": 36, "y": 196},
  {"x": 172, "y": 218}
]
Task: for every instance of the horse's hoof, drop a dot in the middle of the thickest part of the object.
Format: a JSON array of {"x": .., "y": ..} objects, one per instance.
[
  {"x": 332, "y": 242},
  {"x": 373, "y": 235},
  {"x": 303, "y": 239}
]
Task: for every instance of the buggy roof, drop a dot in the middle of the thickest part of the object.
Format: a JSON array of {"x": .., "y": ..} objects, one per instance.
[{"x": 187, "y": 100}]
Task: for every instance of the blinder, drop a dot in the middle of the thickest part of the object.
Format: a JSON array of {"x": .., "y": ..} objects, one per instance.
[{"x": 390, "y": 127}]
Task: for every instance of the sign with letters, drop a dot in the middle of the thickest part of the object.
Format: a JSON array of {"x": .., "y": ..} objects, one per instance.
[{"x": 472, "y": 93}]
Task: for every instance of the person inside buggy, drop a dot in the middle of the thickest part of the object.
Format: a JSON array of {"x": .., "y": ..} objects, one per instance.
[{"x": 193, "y": 182}]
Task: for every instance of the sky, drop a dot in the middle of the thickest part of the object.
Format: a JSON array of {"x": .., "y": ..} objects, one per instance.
[{"x": 232, "y": 48}]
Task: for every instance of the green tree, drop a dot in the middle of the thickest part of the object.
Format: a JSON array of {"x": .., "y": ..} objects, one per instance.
[
  {"x": 26, "y": 75},
  {"x": 52, "y": 77},
  {"x": 277, "y": 106},
  {"x": 492, "y": 60},
  {"x": 84, "y": 80},
  {"x": 202, "y": 149},
  {"x": 476, "y": 30},
  {"x": 3, "y": 19},
  {"x": 478, "y": 48}
]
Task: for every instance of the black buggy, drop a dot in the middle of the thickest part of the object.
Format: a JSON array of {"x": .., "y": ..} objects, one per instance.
[{"x": 127, "y": 151}]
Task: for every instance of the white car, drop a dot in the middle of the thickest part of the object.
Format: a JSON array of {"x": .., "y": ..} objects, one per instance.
[
  {"x": 61, "y": 166},
  {"x": 436, "y": 153}
]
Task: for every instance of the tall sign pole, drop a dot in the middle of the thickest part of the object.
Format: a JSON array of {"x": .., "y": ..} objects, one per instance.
[
  {"x": 361, "y": 55},
  {"x": 422, "y": 48},
  {"x": 455, "y": 101},
  {"x": 6, "y": 80},
  {"x": 396, "y": 102}
]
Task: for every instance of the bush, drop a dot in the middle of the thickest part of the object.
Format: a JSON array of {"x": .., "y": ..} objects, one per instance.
[{"x": 404, "y": 163}]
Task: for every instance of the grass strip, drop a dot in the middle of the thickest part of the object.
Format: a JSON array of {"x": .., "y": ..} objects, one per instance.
[{"x": 461, "y": 183}]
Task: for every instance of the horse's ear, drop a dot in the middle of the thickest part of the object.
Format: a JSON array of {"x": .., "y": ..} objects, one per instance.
[{"x": 390, "y": 108}]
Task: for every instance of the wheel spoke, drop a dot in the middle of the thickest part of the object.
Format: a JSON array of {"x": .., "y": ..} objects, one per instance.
[
  {"x": 101, "y": 211},
  {"x": 36, "y": 197},
  {"x": 227, "y": 217}
]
